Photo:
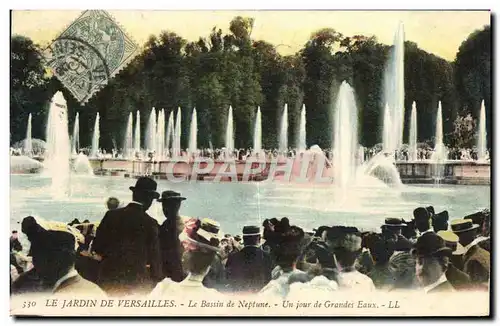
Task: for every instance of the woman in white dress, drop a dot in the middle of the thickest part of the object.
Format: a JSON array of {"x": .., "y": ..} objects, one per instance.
[{"x": 200, "y": 240}]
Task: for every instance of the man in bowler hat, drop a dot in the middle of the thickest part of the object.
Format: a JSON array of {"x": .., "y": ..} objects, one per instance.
[
  {"x": 476, "y": 259},
  {"x": 127, "y": 241},
  {"x": 249, "y": 270},
  {"x": 393, "y": 231},
  {"x": 170, "y": 246},
  {"x": 432, "y": 260}
]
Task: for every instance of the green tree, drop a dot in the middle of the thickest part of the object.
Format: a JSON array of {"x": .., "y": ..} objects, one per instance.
[
  {"x": 28, "y": 89},
  {"x": 317, "y": 56},
  {"x": 473, "y": 75}
]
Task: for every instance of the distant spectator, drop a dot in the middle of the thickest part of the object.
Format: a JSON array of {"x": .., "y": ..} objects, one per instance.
[{"x": 112, "y": 203}]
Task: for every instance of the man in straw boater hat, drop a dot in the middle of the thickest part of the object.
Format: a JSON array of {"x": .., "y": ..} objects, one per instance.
[
  {"x": 127, "y": 240},
  {"x": 170, "y": 229},
  {"x": 249, "y": 270},
  {"x": 200, "y": 240},
  {"x": 476, "y": 259},
  {"x": 53, "y": 249},
  {"x": 457, "y": 278},
  {"x": 432, "y": 260}
]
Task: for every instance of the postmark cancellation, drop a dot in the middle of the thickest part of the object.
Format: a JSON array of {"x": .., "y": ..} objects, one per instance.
[{"x": 88, "y": 53}]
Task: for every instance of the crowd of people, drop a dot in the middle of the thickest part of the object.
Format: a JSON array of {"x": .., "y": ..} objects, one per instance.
[
  {"x": 129, "y": 253},
  {"x": 364, "y": 154}
]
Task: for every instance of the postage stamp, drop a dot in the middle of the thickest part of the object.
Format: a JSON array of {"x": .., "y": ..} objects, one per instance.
[
  {"x": 86, "y": 55},
  {"x": 336, "y": 166}
]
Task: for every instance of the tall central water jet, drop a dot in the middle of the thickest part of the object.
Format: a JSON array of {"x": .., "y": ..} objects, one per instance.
[
  {"x": 283, "y": 140},
  {"x": 257, "y": 134},
  {"x": 170, "y": 131},
  {"x": 28, "y": 144},
  {"x": 137, "y": 133},
  {"x": 193, "y": 134},
  {"x": 301, "y": 142},
  {"x": 95, "y": 138},
  {"x": 229, "y": 133},
  {"x": 57, "y": 154},
  {"x": 128, "y": 141},
  {"x": 151, "y": 132},
  {"x": 481, "y": 137},
  {"x": 412, "y": 142},
  {"x": 75, "y": 145},
  {"x": 345, "y": 140},
  {"x": 177, "y": 134},
  {"x": 394, "y": 91}
]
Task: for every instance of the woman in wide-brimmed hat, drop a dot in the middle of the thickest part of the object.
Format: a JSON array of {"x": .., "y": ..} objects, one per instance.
[{"x": 201, "y": 242}]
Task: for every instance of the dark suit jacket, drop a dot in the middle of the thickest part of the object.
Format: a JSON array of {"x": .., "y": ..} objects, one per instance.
[
  {"x": 127, "y": 239},
  {"x": 248, "y": 270},
  {"x": 171, "y": 249},
  {"x": 457, "y": 278},
  {"x": 477, "y": 264},
  {"x": 443, "y": 287}
]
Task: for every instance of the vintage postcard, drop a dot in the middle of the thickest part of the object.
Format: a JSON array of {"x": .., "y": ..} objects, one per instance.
[{"x": 250, "y": 163}]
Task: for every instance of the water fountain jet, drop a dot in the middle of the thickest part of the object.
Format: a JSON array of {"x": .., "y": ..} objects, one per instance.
[
  {"x": 257, "y": 134},
  {"x": 412, "y": 143},
  {"x": 394, "y": 91},
  {"x": 440, "y": 153},
  {"x": 345, "y": 139},
  {"x": 28, "y": 144},
  {"x": 128, "y": 139},
  {"x": 193, "y": 134},
  {"x": 229, "y": 143},
  {"x": 177, "y": 134},
  {"x": 301, "y": 143},
  {"x": 151, "y": 132},
  {"x": 481, "y": 137},
  {"x": 95, "y": 138},
  {"x": 160, "y": 135},
  {"x": 137, "y": 133},
  {"x": 283, "y": 136},
  {"x": 58, "y": 151},
  {"x": 170, "y": 133},
  {"x": 75, "y": 140}
]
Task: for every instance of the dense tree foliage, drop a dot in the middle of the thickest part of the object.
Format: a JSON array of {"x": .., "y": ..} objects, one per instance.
[
  {"x": 473, "y": 76},
  {"x": 220, "y": 70},
  {"x": 28, "y": 88}
]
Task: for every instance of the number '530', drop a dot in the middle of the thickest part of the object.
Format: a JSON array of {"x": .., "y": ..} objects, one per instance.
[{"x": 29, "y": 304}]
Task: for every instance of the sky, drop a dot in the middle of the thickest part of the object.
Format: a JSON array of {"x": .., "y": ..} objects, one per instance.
[{"x": 438, "y": 32}]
